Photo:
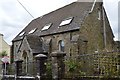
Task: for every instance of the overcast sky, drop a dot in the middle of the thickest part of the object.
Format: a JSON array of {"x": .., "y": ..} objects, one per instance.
[{"x": 13, "y": 18}]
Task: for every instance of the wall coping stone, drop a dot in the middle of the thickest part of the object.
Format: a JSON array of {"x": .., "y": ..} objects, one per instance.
[{"x": 58, "y": 54}]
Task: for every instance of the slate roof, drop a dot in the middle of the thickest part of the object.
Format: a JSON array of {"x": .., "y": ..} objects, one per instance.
[
  {"x": 78, "y": 10},
  {"x": 35, "y": 43}
]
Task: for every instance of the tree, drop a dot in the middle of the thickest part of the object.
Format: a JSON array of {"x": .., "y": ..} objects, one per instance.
[{"x": 3, "y": 53}]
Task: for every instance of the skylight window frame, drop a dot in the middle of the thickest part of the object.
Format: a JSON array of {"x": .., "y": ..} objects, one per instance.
[
  {"x": 22, "y": 33},
  {"x": 32, "y": 31},
  {"x": 66, "y": 21},
  {"x": 46, "y": 27}
]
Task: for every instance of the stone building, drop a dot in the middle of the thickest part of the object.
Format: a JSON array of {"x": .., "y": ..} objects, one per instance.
[
  {"x": 77, "y": 28},
  {"x": 4, "y": 46}
]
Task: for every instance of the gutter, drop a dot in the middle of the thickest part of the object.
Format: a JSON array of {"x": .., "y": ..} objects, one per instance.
[{"x": 93, "y": 6}]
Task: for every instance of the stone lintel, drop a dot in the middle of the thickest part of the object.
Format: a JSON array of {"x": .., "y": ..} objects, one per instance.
[
  {"x": 58, "y": 54},
  {"x": 41, "y": 56},
  {"x": 19, "y": 60}
]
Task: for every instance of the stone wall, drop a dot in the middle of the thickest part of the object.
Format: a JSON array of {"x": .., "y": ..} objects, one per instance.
[
  {"x": 71, "y": 47},
  {"x": 92, "y": 32},
  {"x": 20, "y": 47},
  {"x": 4, "y": 46},
  {"x": 16, "y": 46}
]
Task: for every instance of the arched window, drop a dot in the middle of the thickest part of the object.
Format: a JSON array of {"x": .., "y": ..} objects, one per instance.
[
  {"x": 61, "y": 45},
  {"x": 25, "y": 60}
]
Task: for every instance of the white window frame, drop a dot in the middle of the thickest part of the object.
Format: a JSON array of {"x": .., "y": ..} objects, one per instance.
[
  {"x": 22, "y": 33},
  {"x": 32, "y": 31},
  {"x": 61, "y": 45},
  {"x": 46, "y": 27},
  {"x": 66, "y": 21}
]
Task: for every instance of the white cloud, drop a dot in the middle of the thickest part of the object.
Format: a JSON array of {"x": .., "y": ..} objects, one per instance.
[{"x": 111, "y": 7}]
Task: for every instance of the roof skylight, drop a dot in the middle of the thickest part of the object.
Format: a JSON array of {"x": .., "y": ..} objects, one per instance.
[
  {"x": 21, "y": 34},
  {"x": 66, "y": 21},
  {"x": 47, "y": 26},
  {"x": 32, "y": 31}
]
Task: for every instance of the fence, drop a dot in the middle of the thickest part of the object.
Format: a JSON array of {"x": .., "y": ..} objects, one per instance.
[
  {"x": 30, "y": 68},
  {"x": 97, "y": 65}
]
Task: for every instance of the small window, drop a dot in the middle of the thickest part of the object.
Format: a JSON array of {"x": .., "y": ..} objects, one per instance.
[
  {"x": 21, "y": 34},
  {"x": 61, "y": 45},
  {"x": 47, "y": 26},
  {"x": 32, "y": 31},
  {"x": 66, "y": 21},
  {"x": 99, "y": 15}
]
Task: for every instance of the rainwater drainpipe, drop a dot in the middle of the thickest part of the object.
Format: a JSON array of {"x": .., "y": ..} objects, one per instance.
[{"x": 104, "y": 28}]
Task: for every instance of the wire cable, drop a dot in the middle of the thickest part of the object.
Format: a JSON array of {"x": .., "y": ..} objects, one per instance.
[
  {"x": 25, "y": 9},
  {"x": 28, "y": 12}
]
